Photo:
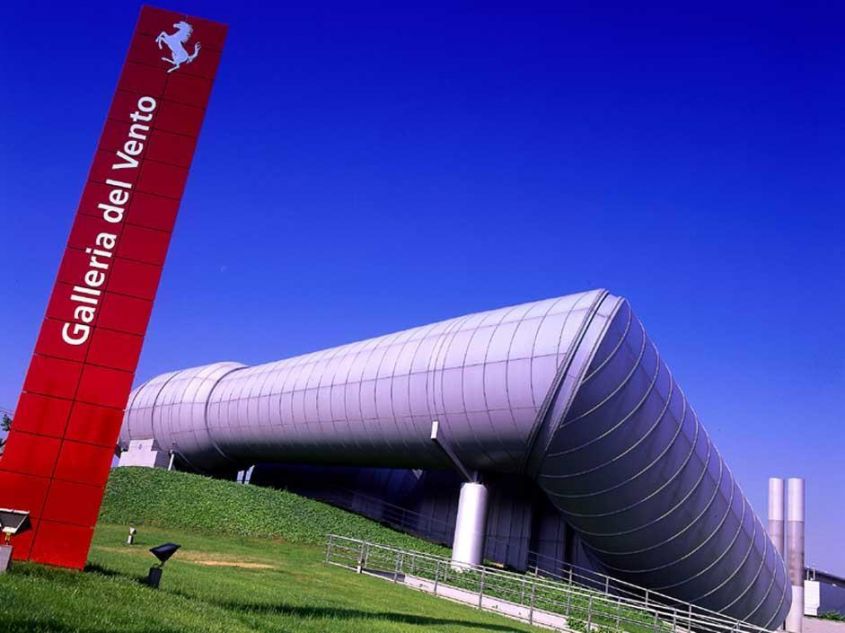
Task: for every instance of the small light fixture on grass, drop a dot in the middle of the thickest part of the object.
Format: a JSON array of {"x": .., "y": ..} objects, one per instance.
[
  {"x": 163, "y": 554},
  {"x": 130, "y": 540},
  {"x": 12, "y": 522}
]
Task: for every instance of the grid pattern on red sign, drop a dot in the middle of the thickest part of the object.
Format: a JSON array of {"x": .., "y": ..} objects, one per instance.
[{"x": 60, "y": 449}]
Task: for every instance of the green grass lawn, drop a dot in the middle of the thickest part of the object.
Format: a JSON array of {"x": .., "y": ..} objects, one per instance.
[
  {"x": 220, "y": 583},
  {"x": 251, "y": 560}
]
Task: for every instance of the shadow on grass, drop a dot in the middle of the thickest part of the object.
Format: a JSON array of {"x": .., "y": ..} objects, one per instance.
[
  {"x": 22, "y": 625},
  {"x": 353, "y": 614},
  {"x": 93, "y": 568},
  {"x": 306, "y": 612}
]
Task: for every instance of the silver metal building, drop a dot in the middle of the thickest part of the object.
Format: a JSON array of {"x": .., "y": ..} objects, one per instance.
[{"x": 566, "y": 396}]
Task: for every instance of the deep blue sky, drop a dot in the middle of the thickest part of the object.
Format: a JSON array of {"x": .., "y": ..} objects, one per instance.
[{"x": 368, "y": 168}]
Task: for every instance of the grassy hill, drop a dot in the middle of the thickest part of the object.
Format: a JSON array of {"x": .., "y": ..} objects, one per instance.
[
  {"x": 251, "y": 561},
  {"x": 146, "y": 496}
]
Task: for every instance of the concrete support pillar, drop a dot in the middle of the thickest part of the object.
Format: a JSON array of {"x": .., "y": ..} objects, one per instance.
[
  {"x": 776, "y": 514},
  {"x": 795, "y": 552},
  {"x": 244, "y": 476},
  {"x": 470, "y": 526}
]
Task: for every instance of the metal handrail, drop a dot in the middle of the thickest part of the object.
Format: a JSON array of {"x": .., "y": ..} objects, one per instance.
[
  {"x": 585, "y": 609},
  {"x": 410, "y": 520},
  {"x": 589, "y": 577}
]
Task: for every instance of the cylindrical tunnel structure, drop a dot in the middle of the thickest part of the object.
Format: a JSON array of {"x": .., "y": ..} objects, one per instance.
[{"x": 570, "y": 391}]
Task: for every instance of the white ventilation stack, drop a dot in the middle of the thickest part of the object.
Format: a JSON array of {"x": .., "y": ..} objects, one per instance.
[
  {"x": 795, "y": 552},
  {"x": 776, "y": 514}
]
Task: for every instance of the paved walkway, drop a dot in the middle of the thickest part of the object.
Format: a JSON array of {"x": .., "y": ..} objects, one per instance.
[
  {"x": 506, "y": 608},
  {"x": 817, "y": 625}
]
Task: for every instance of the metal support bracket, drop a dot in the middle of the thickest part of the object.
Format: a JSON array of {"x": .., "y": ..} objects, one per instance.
[{"x": 437, "y": 436}]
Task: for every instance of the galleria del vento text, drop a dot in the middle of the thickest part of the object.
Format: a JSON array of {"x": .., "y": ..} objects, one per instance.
[{"x": 87, "y": 294}]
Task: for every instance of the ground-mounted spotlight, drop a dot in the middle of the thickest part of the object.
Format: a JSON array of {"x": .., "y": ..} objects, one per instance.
[
  {"x": 130, "y": 540},
  {"x": 12, "y": 522},
  {"x": 163, "y": 554}
]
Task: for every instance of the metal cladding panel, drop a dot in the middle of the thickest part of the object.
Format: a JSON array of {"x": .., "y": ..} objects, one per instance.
[
  {"x": 138, "y": 420},
  {"x": 569, "y": 391},
  {"x": 635, "y": 473},
  {"x": 183, "y": 398},
  {"x": 373, "y": 401}
]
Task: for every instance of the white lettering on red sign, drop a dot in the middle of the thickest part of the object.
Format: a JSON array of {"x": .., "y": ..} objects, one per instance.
[{"x": 87, "y": 294}]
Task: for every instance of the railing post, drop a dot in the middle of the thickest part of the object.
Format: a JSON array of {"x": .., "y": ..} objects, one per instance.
[
  {"x": 396, "y": 565},
  {"x": 436, "y": 577},
  {"x": 533, "y": 595},
  {"x": 607, "y": 585},
  {"x": 619, "y": 615},
  {"x": 689, "y": 623},
  {"x": 654, "y": 624},
  {"x": 674, "y": 619},
  {"x": 590, "y": 614},
  {"x": 360, "y": 567},
  {"x": 481, "y": 589},
  {"x": 329, "y": 548}
]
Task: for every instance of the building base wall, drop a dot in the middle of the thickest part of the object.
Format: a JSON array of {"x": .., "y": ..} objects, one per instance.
[
  {"x": 523, "y": 529},
  {"x": 144, "y": 453}
]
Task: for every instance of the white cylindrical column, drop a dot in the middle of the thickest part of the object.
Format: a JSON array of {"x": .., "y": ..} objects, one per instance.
[
  {"x": 776, "y": 514},
  {"x": 795, "y": 551},
  {"x": 470, "y": 526}
]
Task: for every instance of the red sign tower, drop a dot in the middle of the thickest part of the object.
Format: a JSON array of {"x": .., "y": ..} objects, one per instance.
[{"x": 66, "y": 424}]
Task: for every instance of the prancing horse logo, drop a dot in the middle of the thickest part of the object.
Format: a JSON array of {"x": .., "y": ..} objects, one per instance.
[{"x": 176, "y": 43}]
